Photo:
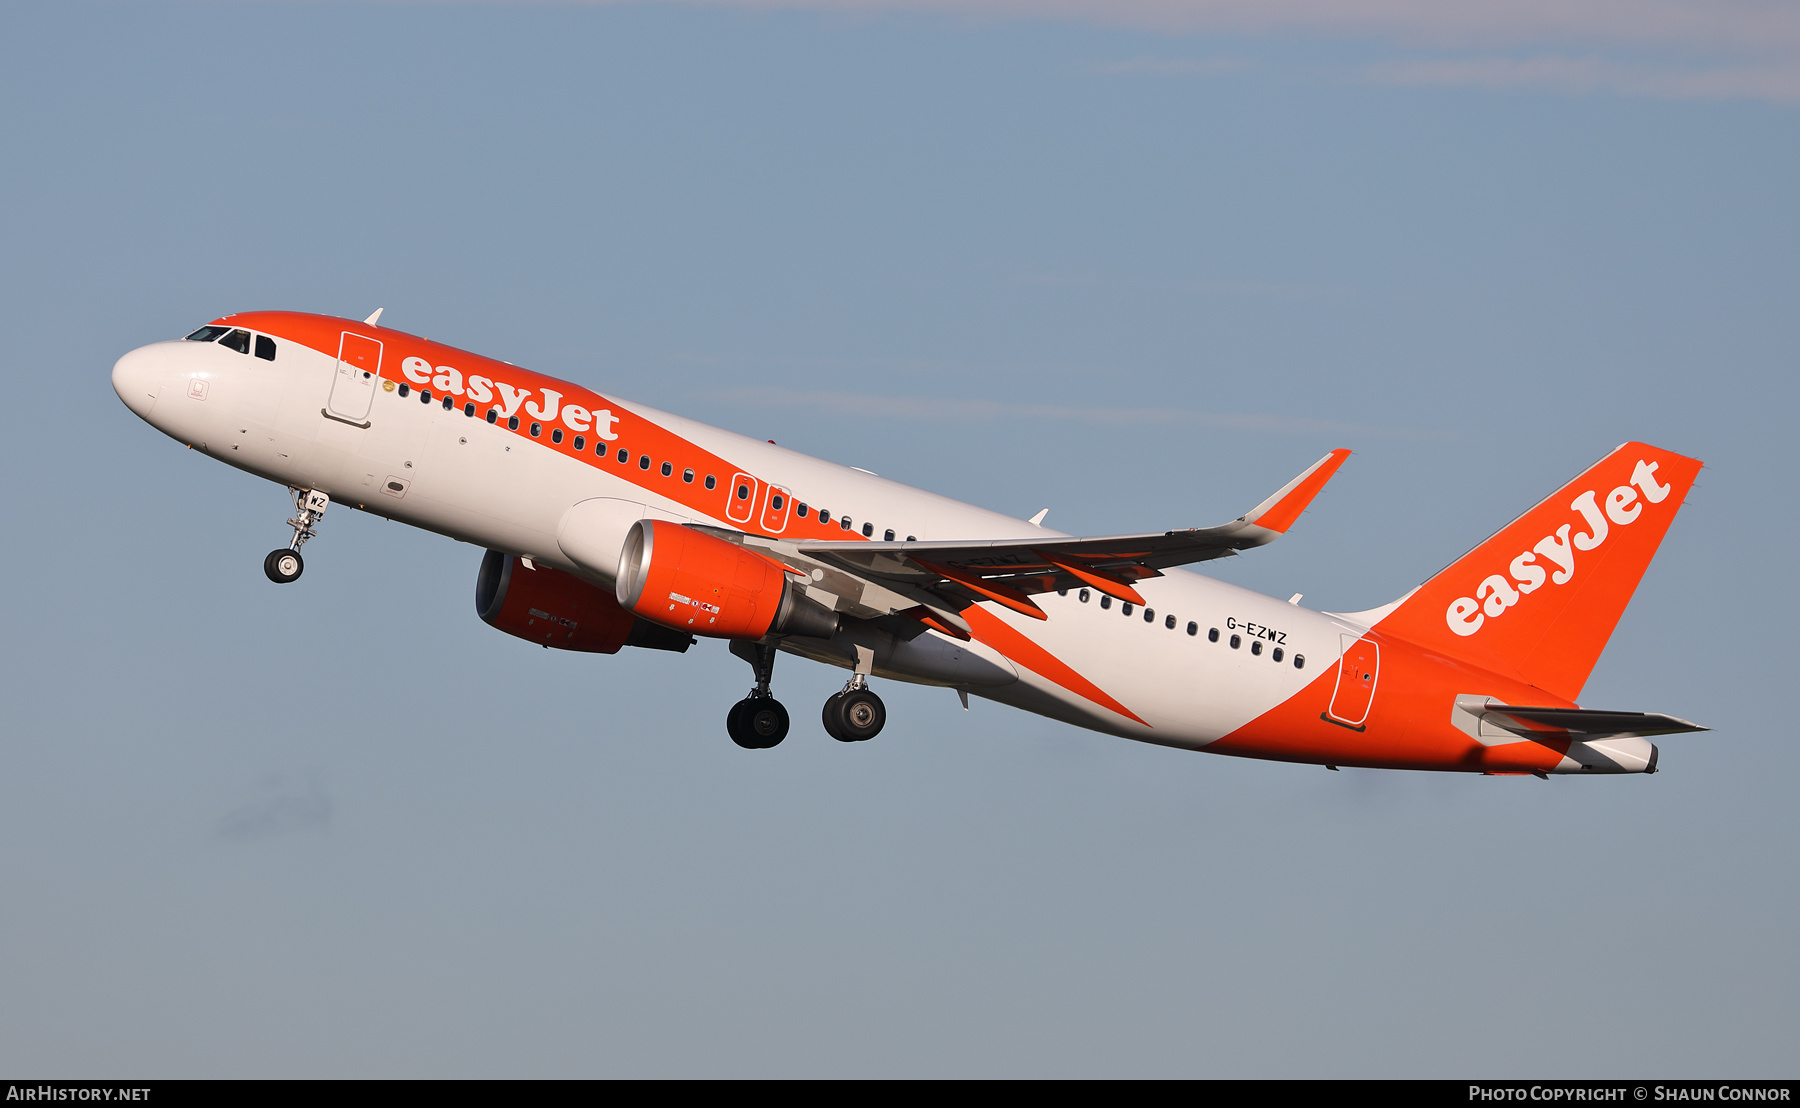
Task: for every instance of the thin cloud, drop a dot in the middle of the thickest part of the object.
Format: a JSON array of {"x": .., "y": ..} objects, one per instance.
[
  {"x": 1727, "y": 24},
  {"x": 286, "y": 806},
  {"x": 1594, "y": 75},
  {"x": 1667, "y": 48},
  {"x": 1174, "y": 66},
  {"x": 951, "y": 410}
]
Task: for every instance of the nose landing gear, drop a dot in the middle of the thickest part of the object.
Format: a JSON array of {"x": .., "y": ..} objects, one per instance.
[
  {"x": 758, "y": 721},
  {"x": 285, "y": 565},
  {"x": 855, "y": 714}
]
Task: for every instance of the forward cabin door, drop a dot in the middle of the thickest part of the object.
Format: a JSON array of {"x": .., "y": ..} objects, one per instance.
[
  {"x": 1358, "y": 670},
  {"x": 353, "y": 385}
]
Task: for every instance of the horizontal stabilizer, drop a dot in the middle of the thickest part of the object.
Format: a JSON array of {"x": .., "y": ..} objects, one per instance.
[
  {"x": 1580, "y": 722},
  {"x": 1594, "y": 724}
]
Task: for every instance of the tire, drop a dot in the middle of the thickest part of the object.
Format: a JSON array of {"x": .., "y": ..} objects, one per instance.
[
  {"x": 765, "y": 721},
  {"x": 737, "y": 728},
  {"x": 861, "y": 715},
  {"x": 833, "y": 717},
  {"x": 283, "y": 566}
]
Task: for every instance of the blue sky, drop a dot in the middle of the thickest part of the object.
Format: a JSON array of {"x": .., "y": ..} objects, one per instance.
[{"x": 1139, "y": 264}]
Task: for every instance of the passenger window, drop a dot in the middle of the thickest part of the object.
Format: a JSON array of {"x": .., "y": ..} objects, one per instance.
[
  {"x": 1083, "y": 594},
  {"x": 1212, "y": 634},
  {"x": 1169, "y": 622},
  {"x": 743, "y": 492},
  {"x": 1276, "y": 654},
  {"x": 888, "y": 536},
  {"x": 536, "y": 430},
  {"x": 1299, "y": 661},
  {"x": 1256, "y": 646},
  {"x": 469, "y": 410},
  {"x": 668, "y": 469},
  {"x": 449, "y": 404},
  {"x": 776, "y": 502},
  {"x": 265, "y": 348},
  {"x": 1106, "y": 602},
  {"x": 909, "y": 538},
  {"x": 238, "y": 340},
  {"x": 800, "y": 510},
  {"x": 493, "y": 415},
  {"x": 424, "y": 396},
  {"x": 555, "y": 435},
  {"x": 868, "y": 530},
  {"x": 687, "y": 476},
  {"x": 1236, "y": 642},
  {"x": 404, "y": 391},
  {"x": 844, "y": 522},
  {"x": 644, "y": 461},
  {"x": 512, "y": 424},
  {"x": 1125, "y": 606},
  {"x": 579, "y": 444},
  {"x": 207, "y": 334},
  {"x": 824, "y": 515},
  {"x": 624, "y": 456},
  {"x": 1059, "y": 592},
  {"x": 1149, "y": 615},
  {"x": 711, "y": 482},
  {"x": 1193, "y": 628}
]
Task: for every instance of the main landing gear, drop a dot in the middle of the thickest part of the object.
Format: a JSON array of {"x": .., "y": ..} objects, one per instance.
[
  {"x": 854, "y": 714},
  {"x": 285, "y": 565},
  {"x": 758, "y": 721}
]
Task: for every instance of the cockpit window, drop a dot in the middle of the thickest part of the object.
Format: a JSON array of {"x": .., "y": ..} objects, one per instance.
[
  {"x": 238, "y": 340},
  {"x": 208, "y": 333},
  {"x": 265, "y": 348}
]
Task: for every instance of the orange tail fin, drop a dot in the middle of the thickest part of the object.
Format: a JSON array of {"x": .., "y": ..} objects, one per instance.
[{"x": 1540, "y": 599}]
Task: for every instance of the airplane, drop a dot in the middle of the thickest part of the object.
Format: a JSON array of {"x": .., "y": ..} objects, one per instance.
[{"x": 608, "y": 524}]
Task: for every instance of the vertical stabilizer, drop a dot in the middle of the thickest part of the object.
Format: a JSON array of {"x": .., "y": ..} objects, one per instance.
[{"x": 1540, "y": 599}]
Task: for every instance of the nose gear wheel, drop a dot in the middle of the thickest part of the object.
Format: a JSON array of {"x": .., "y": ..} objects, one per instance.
[{"x": 285, "y": 565}]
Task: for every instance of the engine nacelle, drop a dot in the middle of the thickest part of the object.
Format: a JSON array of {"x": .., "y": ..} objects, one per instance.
[
  {"x": 556, "y": 609},
  {"x": 691, "y": 581}
]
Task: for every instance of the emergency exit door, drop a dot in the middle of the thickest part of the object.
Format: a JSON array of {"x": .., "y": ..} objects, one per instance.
[{"x": 1358, "y": 670}]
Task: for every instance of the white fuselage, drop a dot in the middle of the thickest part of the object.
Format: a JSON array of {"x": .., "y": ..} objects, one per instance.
[{"x": 482, "y": 483}]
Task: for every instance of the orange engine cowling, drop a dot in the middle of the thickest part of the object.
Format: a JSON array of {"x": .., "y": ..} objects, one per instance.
[
  {"x": 560, "y": 610},
  {"x": 691, "y": 581}
]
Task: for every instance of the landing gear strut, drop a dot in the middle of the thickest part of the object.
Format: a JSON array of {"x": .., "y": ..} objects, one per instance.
[
  {"x": 854, "y": 715},
  {"x": 758, "y": 721},
  {"x": 285, "y": 565}
]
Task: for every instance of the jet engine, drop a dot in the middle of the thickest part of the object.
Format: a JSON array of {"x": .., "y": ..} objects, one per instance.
[
  {"x": 691, "y": 581},
  {"x": 556, "y": 609}
]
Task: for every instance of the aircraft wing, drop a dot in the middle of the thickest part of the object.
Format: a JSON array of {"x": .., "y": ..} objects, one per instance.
[{"x": 942, "y": 578}]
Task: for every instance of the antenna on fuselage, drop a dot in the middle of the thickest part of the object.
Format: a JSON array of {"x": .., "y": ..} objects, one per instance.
[{"x": 371, "y": 320}]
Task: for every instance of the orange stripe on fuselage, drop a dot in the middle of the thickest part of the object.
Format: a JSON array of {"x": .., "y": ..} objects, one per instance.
[
  {"x": 635, "y": 433},
  {"x": 1014, "y": 645}
]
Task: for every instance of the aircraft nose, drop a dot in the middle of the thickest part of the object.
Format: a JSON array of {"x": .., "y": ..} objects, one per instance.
[{"x": 137, "y": 378}]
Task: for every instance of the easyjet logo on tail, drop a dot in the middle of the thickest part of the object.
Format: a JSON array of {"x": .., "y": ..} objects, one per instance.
[{"x": 1498, "y": 592}]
